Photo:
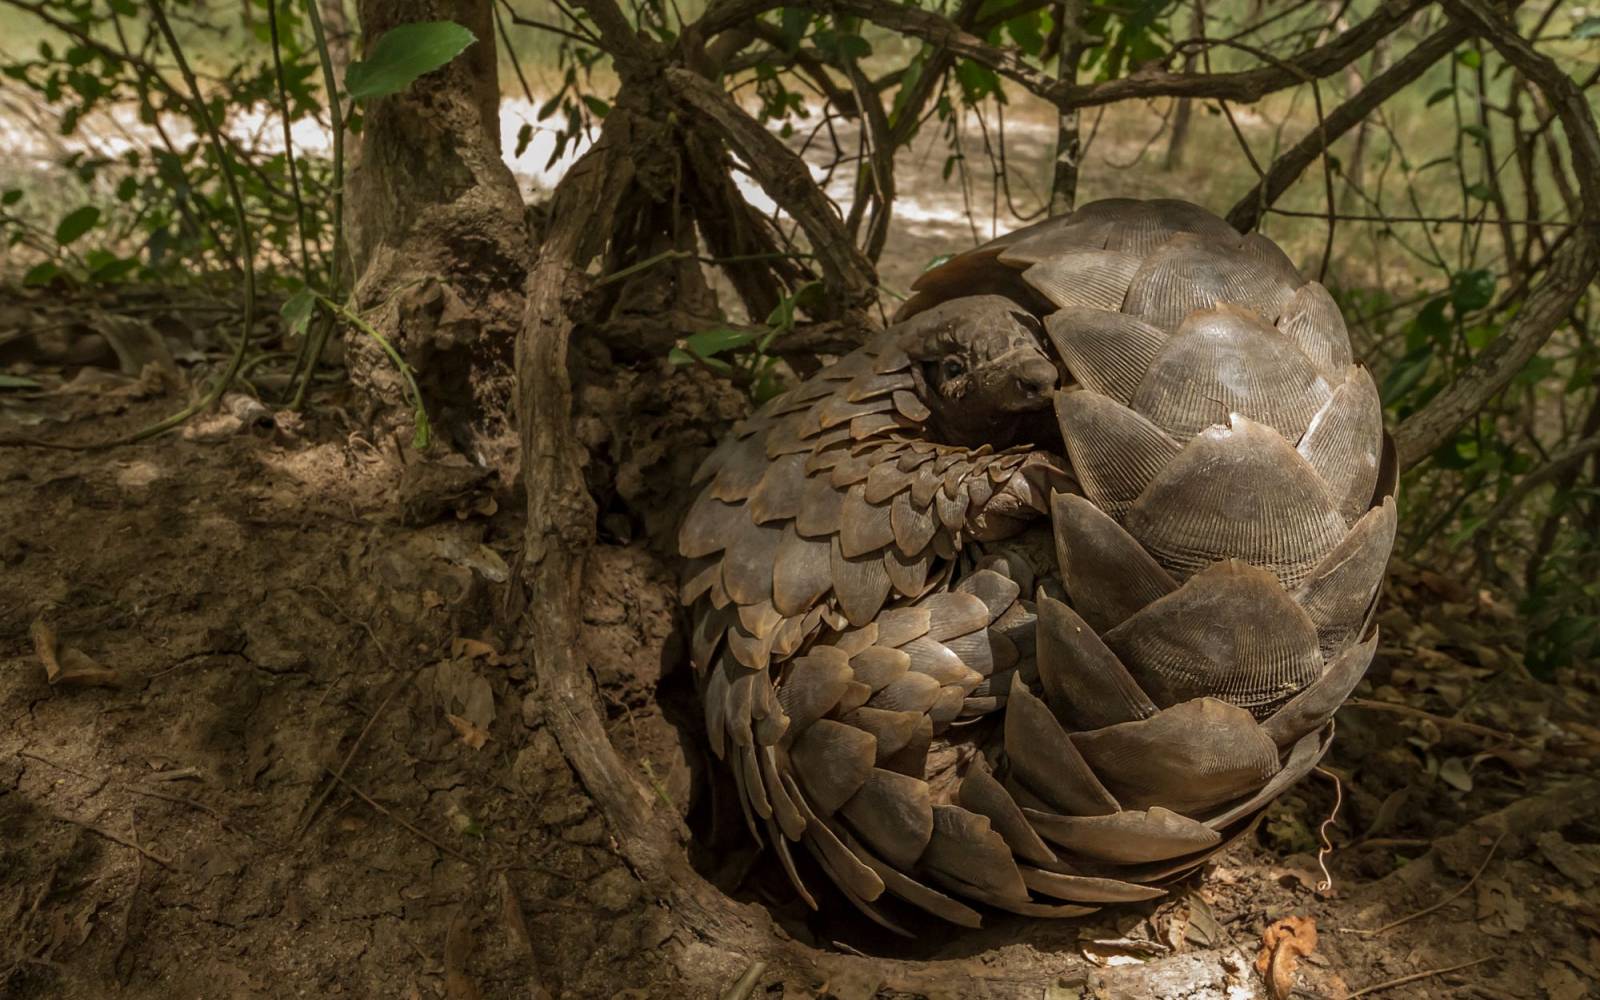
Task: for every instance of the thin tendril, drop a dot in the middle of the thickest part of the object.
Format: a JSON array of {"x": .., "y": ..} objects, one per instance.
[{"x": 1322, "y": 831}]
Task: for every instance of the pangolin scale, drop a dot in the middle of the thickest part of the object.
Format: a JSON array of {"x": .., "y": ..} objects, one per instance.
[{"x": 946, "y": 725}]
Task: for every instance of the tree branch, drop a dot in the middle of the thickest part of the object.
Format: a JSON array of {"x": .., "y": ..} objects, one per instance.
[
  {"x": 1244, "y": 85},
  {"x": 1286, "y": 169},
  {"x": 1572, "y": 267},
  {"x": 785, "y": 178}
]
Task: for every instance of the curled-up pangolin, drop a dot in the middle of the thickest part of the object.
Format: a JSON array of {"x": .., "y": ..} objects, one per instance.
[{"x": 929, "y": 732}]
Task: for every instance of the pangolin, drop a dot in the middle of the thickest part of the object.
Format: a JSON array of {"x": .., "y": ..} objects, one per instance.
[{"x": 1221, "y": 525}]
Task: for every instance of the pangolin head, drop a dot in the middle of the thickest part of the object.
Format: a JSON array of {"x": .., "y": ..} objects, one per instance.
[{"x": 981, "y": 367}]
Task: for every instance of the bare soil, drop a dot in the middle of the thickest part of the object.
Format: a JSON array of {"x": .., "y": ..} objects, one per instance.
[{"x": 292, "y": 748}]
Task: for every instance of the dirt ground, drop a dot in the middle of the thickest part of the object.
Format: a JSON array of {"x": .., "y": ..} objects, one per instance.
[{"x": 267, "y": 729}]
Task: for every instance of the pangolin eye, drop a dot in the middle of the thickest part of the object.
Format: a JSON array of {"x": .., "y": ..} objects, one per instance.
[{"x": 953, "y": 368}]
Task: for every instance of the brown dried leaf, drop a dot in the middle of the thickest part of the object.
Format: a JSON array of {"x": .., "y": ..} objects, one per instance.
[
  {"x": 1204, "y": 929},
  {"x": 472, "y": 735},
  {"x": 458, "y": 985},
  {"x": 65, "y": 666},
  {"x": 1501, "y": 913},
  {"x": 44, "y": 644},
  {"x": 471, "y": 649},
  {"x": 1580, "y": 865},
  {"x": 1283, "y": 945}
]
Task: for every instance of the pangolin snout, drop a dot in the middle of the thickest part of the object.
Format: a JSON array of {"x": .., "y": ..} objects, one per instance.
[{"x": 1037, "y": 379}]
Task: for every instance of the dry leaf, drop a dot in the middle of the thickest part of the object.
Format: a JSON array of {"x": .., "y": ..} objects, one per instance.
[
  {"x": 471, "y": 649},
  {"x": 467, "y": 700},
  {"x": 1204, "y": 928},
  {"x": 471, "y": 734},
  {"x": 1453, "y": 772},
  {"x": 457, "y": 949},
  {"x": 44, "y": 644},
  {"x": 65, "y": 666},
  {"x": 1282, "y": 947},
  {"x": 1579, "y": 864},
  {"x": 1563, "y": 984}
]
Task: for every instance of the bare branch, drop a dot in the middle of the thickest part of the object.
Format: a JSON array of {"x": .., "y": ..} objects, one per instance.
[
  {"x": 1572, "y": 267},
  {"x": 784, "y": 177},
  {"x": 1286, "y": 169},
  {"x": 1244, "y": 85}
]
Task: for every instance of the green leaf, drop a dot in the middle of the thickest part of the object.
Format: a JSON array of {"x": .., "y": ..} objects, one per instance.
[
  {"x": 76, "y": 223},
  {"x": 1538, "y": 369},
  {"x": 1404, "y": 376},
  {"x": 793, "y": 22},
  {"x": 710, "y": 343},
  {"x": 1470, "y": 290},
  {"x": 403, "y": 54},
  {"x": 596, "y": 106},
  {"x": 1589, "y": 27},
  {"x": 1480, "y": 191},
  {"x": 977, "y": 81},
  {"x": 1442, "y": 94},
  {"x": 296, "y": 312},
  {"x": 113, "y": 269},
  {"x": 1478, "y": 337},
  {"x": 17, "y": 382},
  {"x": 11, "y": 197},
  {"x": 1478, "y": 132},
  {"x": 1027, "y": 31},
  {"x": 1469, "y": 58},
  {"x": 524, "y": 136},
  {"x": 41, "y": 274},
  {"x": 842, "y": 46}
]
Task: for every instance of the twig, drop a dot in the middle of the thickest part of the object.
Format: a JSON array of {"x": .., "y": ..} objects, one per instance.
[
  {"x": 1451, "y": 220},
  {"x": 319, "y": 336},
  {"x": 355, "y": 747},
  {"x": 246, "y": 251},
  {"x": 116, "y": 838},
  {"x": 1441, "y": 720},
  {"x": 1441, "y": 904},
  {"x": 127, "y": 922},
  {"x": 1322, "y": 831},
  {"x": 743, "y": 986},
  {"x": 369, "y": 800},
  {"x": 215, "y": 814},
  {"x": 46, "y": 760},
  {"x": 1413, "y": 977}
]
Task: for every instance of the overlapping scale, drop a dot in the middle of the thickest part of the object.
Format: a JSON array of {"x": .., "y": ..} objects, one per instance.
[
  {"x": 1237, "y": 492},
  {"x": 1223, "y": 361},
  {"x": 1344, "y": 443},
  {"x": 1312, "y": 322},
  {"x": 1188, "y": 272},
  {"x": 954, "y": 733},
  {"x": 1230, "y": 632}
]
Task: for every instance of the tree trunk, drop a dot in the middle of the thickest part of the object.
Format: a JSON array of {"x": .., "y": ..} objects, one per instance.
[
  {"x": 437, "y": 240},
  {"x": 1183, "y": 113},
  {"x": 1069, "y": 125}
]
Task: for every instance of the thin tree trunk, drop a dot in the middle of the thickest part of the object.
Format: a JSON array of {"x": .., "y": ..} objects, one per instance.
[
  {"x": 1183, "y": 114},
  {"x": 1069, "y": 126},
  {"x": 337, "y": 25},
  {"x": 1354, "y": 167},
  {"x": 437, "y": 240}
]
